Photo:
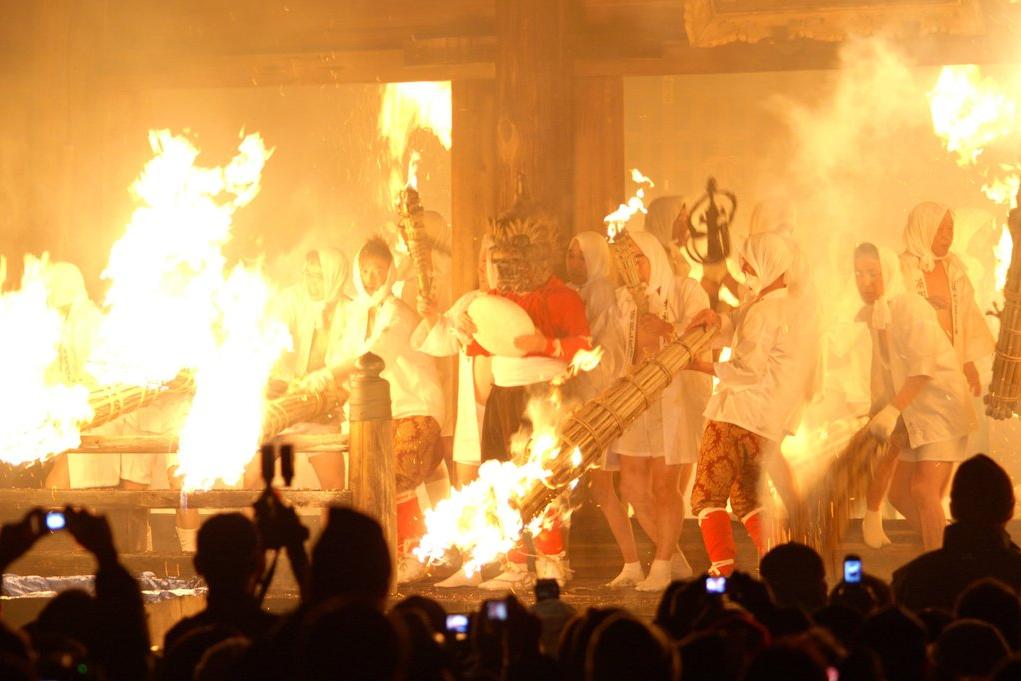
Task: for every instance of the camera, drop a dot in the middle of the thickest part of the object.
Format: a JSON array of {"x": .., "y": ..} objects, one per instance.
[
  {"x": 852, "y": 569},
  {"x": 276, "y": 521},
  {"x": 547, "y": 590},
  {"x": 457, "y": 626},
  {"x": 716, "y": 585},
  {"x": 496, "y": 611}
]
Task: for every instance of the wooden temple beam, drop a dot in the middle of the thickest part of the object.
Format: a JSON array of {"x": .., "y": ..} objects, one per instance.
[{"x": 163, "y": 498}]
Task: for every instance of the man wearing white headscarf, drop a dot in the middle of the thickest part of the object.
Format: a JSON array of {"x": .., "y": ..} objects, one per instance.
[
  {"x": 939, "y": 276},
  {"x": 658, "y": 451},
  {"x": 379, "y": 322},
  {"x": 314, "y": 310},
  {"x": 446, "y": 335},
  {"x": 750, "y": 405},
  {"x": 920, "y": 396},
  {"x": 590, "y": 272}
]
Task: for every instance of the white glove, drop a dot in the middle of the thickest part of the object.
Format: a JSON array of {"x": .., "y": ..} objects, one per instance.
[{"x": 883, "y": 423}]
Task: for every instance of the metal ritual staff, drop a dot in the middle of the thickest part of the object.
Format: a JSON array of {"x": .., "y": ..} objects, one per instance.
[
  {"x": 714, "y": 211},
  {"x": 1005, "y": 386}
]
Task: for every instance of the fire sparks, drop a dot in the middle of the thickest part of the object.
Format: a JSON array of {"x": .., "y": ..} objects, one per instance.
[
  {"x": 483, "y": 520},
  {"x": 174, "y": 304},
  {"x": 407, "y": 107},
  {"x": 618, "y": 219},
  {"x": 41, "y": 416}
]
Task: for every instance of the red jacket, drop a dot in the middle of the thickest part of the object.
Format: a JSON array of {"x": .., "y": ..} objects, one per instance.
[{"x": 558, "y": 313}]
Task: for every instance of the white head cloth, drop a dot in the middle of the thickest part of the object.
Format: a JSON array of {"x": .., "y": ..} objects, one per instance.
[
  {"x": 335, "y": 267},
  {"x": 771, "y": 256},
  {"x": 661, "y": 279},
  {"x": 362, "y": 296},
  {"x": 596, "y": 252},
  {"x": 773, "y": 215},
  {"x": 893, "y": 286},
  {"x": 923, "y": 223}
]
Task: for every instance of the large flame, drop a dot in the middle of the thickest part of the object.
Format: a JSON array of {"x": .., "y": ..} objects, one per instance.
[
  {"x": 41, "y": 416},
  {"x": 405, "y": 108},
  {"x": 174, "y": 303},
  {"x": 618, "y": 219},
  {"x": 482, "y": 520}
]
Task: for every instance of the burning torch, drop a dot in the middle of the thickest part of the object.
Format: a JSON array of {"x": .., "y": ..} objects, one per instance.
[
  {"x": 1005, "y": 387},
  {"x": 412, "y": 232}
]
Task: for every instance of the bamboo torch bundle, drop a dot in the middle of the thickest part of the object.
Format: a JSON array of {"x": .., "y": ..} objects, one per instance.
[
  {"x": 828, "y": 506},
  {"x": 1005, "y": 386},
  {"x": 590, "y": 429},
  {"x": 413, "y": 233},
  {"x": 309, "y": 404},
  {"x": 112, "y": 402},
  {"x": 625, "y": 252}
]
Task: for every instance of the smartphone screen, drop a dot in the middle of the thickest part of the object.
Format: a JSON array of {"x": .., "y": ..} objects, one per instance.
[
  {"x": 852, "y": 570},
  {"x": 55, "y": 520},
  {"x": 497, "y": 610},
  {"x": 457, "y": 624},
  {"x": 716, "y": 585}
]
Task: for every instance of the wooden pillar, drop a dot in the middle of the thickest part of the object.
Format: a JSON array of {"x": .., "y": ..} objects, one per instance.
[
  {"x": 372, "y": 482},
  {"x": 533, "y": 105},
  {"x": 599, "y": 172},
  {"x": 473, "y": 186}
]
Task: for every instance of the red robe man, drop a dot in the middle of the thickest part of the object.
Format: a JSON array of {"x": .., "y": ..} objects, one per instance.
[{"x": 522, "y": 256}]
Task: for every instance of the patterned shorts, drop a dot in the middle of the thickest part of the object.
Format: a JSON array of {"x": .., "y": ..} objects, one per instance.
[{"x": 729, "y": 467}]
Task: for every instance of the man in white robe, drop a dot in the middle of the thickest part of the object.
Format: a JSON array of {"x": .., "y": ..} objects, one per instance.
[{"x": 921, "y": 400}]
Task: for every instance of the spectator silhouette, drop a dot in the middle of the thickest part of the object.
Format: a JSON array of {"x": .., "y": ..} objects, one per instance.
[
  {"x": 349, "y": 639},
  {"x": 976, "y": 545},
  {"x": 220, "y": 662},
  {"x": 785, "y": 662},
  {"x": 841, "y": 621},
  {"x": 795, "y": 575},
  {"x": 425, "y": 655},
  {"x": 351, "y": 559},
  {"x": 898, "y": 640},
  {"x": 230, "y": 558},
  {"x": 625, "y": 649},
  {"x": 183, "y": 656},
  {"x": 1009, "y": 669},
  {"x": 575, "y": 641},
  {"x": 968, "y": 649},
  {"x": 991, "y": 601}
]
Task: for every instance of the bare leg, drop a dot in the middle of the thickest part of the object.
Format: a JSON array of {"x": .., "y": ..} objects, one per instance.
[
  {"x": 780, "y": 472},
  {"x": 900, "y": 493},
  {"x": 465, "y": 473},
  {"x": 881, "y": 479},
  {"x": 669, "y": 506},
  {"x": 636, "y": 489},
  {"x": 329, "y": 468},
  {"x": 605, "y": 496},
  {"x": 926, "y": 485}
]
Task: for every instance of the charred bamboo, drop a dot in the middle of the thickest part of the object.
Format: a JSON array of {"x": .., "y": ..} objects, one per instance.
[
  {"x": 1005, "y": 387},
  {"x": 588, "y": 431}
]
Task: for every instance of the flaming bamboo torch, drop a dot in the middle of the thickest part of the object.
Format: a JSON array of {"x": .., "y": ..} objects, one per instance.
[
  {"x": 307, "y": 404},
  {"x": 587, "y": 432},
  {"x": 413, "y": 232},
  {"x": 1005, "y": 386},
  {"x": 112, "y": 402},
  {"x": 625, "y": 250}
]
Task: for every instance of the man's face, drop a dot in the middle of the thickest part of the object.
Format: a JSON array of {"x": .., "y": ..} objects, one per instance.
[
  {"x": 315, "y": 283},
  {"x": 644, "y": 268},
  {"x": 944, "y": 238},
  {"x": 868, "y": 275},
  {"x": 577, "y": 270},
  {"x": 373, "y": 271}
]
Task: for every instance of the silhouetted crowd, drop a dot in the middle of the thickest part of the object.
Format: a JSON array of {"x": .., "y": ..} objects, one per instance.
[{"x": 953, "y": 613}]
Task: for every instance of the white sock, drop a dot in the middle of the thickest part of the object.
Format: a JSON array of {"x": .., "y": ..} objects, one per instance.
[
  {"x": 188, "y": 538},
  {"x": 659, "y": 576},
  {"x": 439, "y": 489},
  {"x": 629, "y": 575}
]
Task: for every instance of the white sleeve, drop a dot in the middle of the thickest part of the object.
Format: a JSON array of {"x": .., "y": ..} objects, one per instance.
[{"x": 749, "y": 358}]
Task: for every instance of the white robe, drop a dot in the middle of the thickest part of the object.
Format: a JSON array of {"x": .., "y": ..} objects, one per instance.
[
  {"x": 443, "y": 340},
  {"x": 762, "y": 358},
  {"x": 972, "y": 338},
  {"x": 918, "y": 346}
]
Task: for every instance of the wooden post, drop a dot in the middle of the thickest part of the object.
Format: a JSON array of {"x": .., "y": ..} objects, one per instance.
[
  {"x": 533, "y": 106},
  {"x": 599, "y": 172},
  {"x": 373, "y": 487},
  {"x": 472, "y": 166}
]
